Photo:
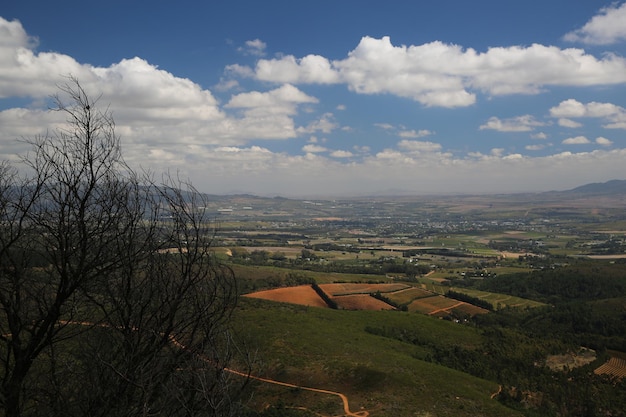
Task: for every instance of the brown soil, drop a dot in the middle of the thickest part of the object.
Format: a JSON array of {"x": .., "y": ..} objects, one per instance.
[
  {"x": 303, "y": 295},
  {"x": 361, "y": 302}
]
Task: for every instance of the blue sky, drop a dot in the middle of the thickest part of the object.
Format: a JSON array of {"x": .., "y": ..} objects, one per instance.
[{"x": 334, "y": 98}]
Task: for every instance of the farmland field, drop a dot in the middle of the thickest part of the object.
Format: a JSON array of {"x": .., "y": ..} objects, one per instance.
[
  {"x": 430, "y": 304},
  {"x": 499, "y": 300},
  {"x": 302, "y": 294},
  {"x": 347, "y": 289},
  {"x": 361, "y": 302},
  {"x": 407, "y": 295},
  {"x": 615, "y": 366}
]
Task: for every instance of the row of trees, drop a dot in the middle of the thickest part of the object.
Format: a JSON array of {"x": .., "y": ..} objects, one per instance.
[{"x": 111, "y": 302}]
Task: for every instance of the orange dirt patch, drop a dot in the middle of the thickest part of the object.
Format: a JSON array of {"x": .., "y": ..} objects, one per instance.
[
  {"x": 302, "y": 294},
  {"x": 360, "y": 302},
  {"x": 349, "y": 288}
]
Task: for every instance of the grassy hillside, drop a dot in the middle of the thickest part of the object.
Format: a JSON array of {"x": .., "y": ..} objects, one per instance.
[{"x": 332, "y": 350}]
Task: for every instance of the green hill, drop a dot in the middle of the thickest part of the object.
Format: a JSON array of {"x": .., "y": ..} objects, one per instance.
[{"x": 338, "y": 351}]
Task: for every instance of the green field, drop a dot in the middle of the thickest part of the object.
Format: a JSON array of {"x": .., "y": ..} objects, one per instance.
[{"x": 330, "y": 349}]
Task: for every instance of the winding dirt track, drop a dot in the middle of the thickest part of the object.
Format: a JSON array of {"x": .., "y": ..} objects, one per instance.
[{"x": 344, "y": 399}]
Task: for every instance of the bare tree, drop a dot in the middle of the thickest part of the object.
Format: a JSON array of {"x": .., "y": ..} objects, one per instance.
[{"x": 112, "y": 302}]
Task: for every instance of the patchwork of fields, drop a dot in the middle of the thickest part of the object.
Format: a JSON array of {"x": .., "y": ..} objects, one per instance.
[{"x": 357, "y": 296}]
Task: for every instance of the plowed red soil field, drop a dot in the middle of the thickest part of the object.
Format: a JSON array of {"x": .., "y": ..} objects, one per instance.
[
  {"x": 303, "y": 295},
  {"x": 361, "y": 302}
]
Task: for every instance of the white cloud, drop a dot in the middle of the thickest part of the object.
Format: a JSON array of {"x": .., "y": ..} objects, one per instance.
[
  {"x": 614, "y": 116},
  {"x": 280, "y": 100},
  {"x": 239, "y": 70},
  {"x": 419, "y": 146},
  {"x": 225, "y": 85},
  {"x": 569, "y": 123},
  {"x": 13, "y": 35},
  {"x": 288, "y": 69},
  {"x": 534, "y": 147},
  {"x": 26, "y": 74},
  {"x": 574, "y": 108},
  {"x": 446, "y": 75},
  {"x": 325, "y": 124},
  {"x": 314, "y": 148},
  {"x": 603, "y": 141},
  {"x": 260, "y": 171},
  {"x": 164, "y": 120},
  {"x": 418, "y": 72},
  {"x": 341, "y": 154},
  {"x": 254, "y": 47},
  {"x": 609, "y": 26},
  {"x": 385, "y": 126},
  {"x": 539, "y": 135},
  {"x": 524, "y": 123},
  {"x": 578, "y": 140},
  {"x": 414, "y": 134},
  {"x": 171, "y": 122}
]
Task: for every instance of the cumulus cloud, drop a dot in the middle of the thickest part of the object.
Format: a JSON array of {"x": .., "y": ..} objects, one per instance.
[
  {"x": 419, "y": 146},
  {"x": 414, "y": 133},
  {"x": 314, "y": 149},
  {"x": 267, "y": 115},
  {"x": 26, "y": 74},
  {"x": 418, "y": 72},
  {"x": 288, "y": 69},
  {"x": 325, "y": 124},
  {"x": 614, "y": 116},
  {"x": 169, "y": 121},
  {"x": 164, "y": 120},
  {"x": 603, "y": 141},
  {"x": 254, "y": 47},
  {"x": 568, "y": 123},
  {"x": 578, "y": 140},
  {"x": 445, "y": 75},
  {"x": 280, "y": 100},
  {"x": 524, "y": 123},
  {"x": 539, "y": 135},
  {"x": 574, "y": 108},
  {"x": 341, "y": 154},
  {"x": 608, "y": 26}
]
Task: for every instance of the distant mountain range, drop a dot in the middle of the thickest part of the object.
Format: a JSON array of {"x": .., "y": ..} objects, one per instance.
[{"x": 612, "y": 187}]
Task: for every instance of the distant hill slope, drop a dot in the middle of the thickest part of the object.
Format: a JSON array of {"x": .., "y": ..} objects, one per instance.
[{"x": 601, "y": 188}]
